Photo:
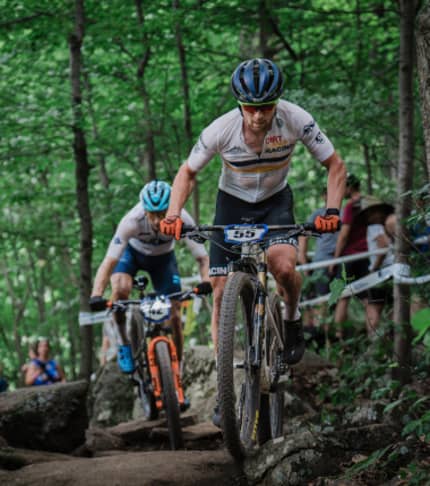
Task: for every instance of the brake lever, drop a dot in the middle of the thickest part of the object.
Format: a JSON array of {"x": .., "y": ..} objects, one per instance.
[{"x": 195, "y": 236}]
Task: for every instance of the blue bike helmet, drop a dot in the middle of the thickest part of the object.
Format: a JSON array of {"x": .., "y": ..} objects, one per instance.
[
  {"x": 155, "y": 196},
  {"x": 257, "y": 81}
]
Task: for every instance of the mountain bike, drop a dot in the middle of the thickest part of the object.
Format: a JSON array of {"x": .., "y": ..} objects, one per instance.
[
  {"x": 157, "y": 373},
  {"x": 250, "y": 338}
]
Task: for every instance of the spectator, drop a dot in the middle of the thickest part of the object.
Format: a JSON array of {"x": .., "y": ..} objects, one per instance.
[
  {"x": 351, "y": 240},
  {"x": 374, "y": 216},
  {"x": 42, "y": 370},
  {"x": 421, "y": 227},
  {"x": 324, "y": 250},
  {"x": 420, "y": 236},
  {"x": 4, "y": 385},
  {"x": 32, "y": 354}
]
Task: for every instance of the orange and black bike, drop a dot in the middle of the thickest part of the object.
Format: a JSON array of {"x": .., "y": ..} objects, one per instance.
[{"x": 157, "y": 373}]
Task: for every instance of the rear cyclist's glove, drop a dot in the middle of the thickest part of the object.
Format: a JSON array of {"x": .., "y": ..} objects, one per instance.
[
  {"x": 172, "y": 226},
  {"x": 203, "y": 288},
  {"x": 329, "y": 223},
  {"x": 97, "y": 303}
]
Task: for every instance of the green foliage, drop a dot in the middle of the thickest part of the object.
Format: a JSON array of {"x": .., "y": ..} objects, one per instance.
[
  {"x": 421, "y": 324},
  {"x": 367, "y": 463},
  {"x": 341, "y": 67}
]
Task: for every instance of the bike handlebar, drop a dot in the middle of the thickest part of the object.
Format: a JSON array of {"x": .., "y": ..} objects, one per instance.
[
  {"x": 203, "y": 288},
  {"x": 304, "y": 227}
]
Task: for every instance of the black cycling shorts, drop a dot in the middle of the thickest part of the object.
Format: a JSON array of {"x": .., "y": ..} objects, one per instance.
[{"x": 277, "y": 209}]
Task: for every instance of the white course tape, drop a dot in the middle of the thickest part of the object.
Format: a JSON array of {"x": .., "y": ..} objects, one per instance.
[
  {"x": 344, "y": 259},
  {"x": 90, "y": 318},
  {"x": 399, "y": 271},
  {"x": 355, "y": 287}
]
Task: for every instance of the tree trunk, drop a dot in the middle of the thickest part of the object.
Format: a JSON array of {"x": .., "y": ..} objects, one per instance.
[
  {"x": 187, "y": 106},
  {"x": 82, "y": 171},
  {"x": 403, "y": 331},
  {"x": 423, "y": 62}
]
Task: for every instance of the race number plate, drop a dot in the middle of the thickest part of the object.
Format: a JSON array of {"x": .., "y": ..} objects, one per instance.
[
  {"x": 156, "y": 309},
  {"x": 244, "y": 233}
]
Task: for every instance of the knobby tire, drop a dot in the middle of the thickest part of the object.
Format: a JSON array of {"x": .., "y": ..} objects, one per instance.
[
  {"x": 170, "y": 400},
  {"x": 239, "y": 406},
  {"x": 272, "y": 404},
  {"x": 146, "y": 397}
]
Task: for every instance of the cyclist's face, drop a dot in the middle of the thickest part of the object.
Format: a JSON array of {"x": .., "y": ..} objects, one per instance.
[
  {"x": 155, "y": 218},
  {"x": 258, "y": 119}
]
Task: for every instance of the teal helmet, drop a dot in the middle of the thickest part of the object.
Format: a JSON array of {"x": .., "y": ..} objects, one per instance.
[{"x": 155, "y": 196}]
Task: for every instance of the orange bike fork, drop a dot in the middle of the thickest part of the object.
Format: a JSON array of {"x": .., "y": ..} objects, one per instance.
[{"x": 155, "y": 372}]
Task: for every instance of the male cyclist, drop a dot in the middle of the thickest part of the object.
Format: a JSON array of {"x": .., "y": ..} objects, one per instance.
[
  {"x": 138, "y": 245},
  {"x": 255, "y": 142}
]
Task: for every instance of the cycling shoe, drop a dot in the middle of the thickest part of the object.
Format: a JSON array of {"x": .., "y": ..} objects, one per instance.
[
  {"x": 186, "y": 405},
  {"x": 125, "y": 358},
  {"x": 294, "y": 341}
]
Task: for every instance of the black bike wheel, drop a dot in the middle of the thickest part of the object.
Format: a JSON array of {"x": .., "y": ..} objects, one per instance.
[
  {"x": 272, "y": 403},
  {"x": 238, "y": 383},
  {"x": 146, "y": 397},
  {"x": 170, "y": 400}
]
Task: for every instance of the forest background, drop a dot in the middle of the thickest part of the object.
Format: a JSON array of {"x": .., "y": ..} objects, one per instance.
[{"x": 100, "y": 97}]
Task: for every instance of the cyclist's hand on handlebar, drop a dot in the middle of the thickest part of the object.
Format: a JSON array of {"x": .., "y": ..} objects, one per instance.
[
  {"x": 98, "y": 303},
  {"x": 203, "y": 288},
  {"x": 172, "y": 226},
  {"x": 329, "y": 223}
]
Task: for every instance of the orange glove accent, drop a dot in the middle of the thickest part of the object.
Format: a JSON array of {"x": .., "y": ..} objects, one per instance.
[
  {"x": 172, "y": 226},
  {"x": 329, "y": 223}
]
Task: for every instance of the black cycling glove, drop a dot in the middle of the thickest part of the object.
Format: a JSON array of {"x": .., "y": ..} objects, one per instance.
[
  {"x": 203, "y": 288},
  {"x": 97, "y": 303}
]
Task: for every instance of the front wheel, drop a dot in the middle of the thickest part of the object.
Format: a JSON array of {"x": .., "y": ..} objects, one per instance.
[
  {"x": 238, "y": 381},
  {"x": 168, "y": 393},
  {"x": 137, "y": 338}
]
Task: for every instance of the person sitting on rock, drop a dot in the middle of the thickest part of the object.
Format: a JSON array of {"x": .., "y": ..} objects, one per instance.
[{"x": 42, "y": 370}]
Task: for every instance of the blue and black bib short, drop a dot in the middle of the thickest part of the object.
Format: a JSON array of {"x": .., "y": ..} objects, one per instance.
[{"x": 163, "y": 269}]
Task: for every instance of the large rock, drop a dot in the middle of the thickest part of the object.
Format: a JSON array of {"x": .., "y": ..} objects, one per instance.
[
  {"x": 199, "y": 380},
  {"x": 51, "y": 418},
  {"x": 181, "y": 468},
  {"x": 111, "y": 397}
]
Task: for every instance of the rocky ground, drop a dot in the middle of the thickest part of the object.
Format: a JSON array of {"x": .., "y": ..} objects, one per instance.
[{"x": 47, "y": 437}]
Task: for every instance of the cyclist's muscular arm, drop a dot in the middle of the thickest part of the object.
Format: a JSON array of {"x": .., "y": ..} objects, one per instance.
[
  {"x": 103, "y": 275},
  {"x": 336, "y": 180},
  {"x": 181, "y": 189}
]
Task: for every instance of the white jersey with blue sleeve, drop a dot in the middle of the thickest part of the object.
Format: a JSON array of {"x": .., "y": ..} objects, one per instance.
[
  {"x": 250, "y": 176},
  {"x": 136, "y": 230}
]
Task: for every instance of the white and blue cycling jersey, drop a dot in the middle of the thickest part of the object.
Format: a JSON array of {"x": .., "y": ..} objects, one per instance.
[
  {"x": 250, "y": 176},
  {"x": 136, "y": 230}
]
